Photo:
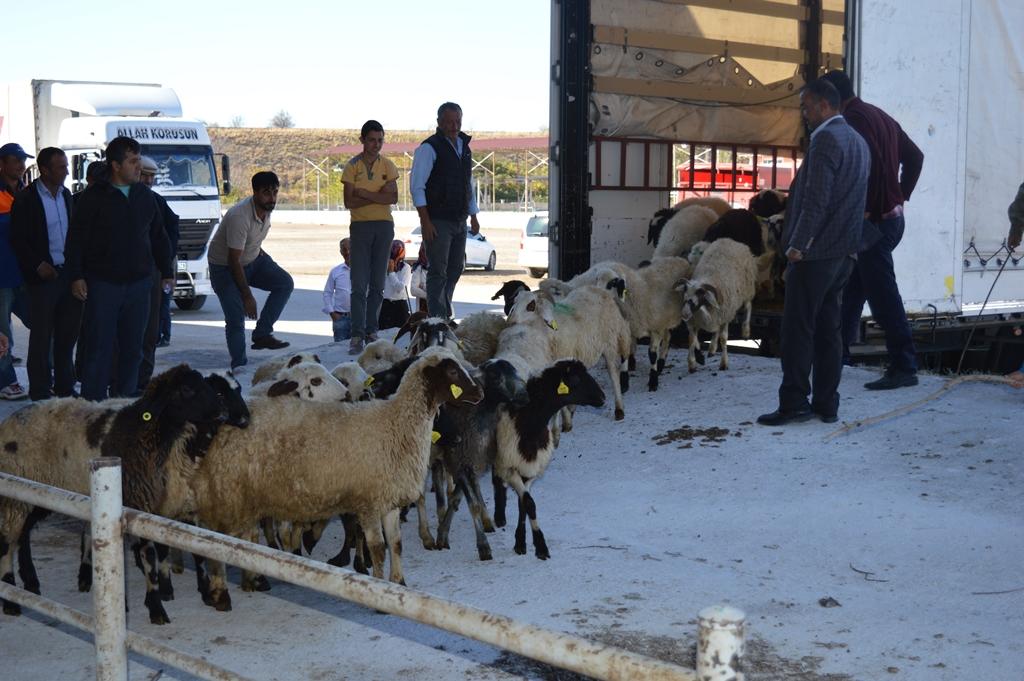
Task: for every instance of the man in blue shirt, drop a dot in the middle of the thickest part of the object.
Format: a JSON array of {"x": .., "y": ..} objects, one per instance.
[
  {"x": 39, "y": 227},
  {"x": 442, "y": 191}
]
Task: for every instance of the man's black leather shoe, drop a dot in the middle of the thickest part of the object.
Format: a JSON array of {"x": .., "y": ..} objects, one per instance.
[
  {"x": 893, "y": 379},
  {"x": 268, "y": 343},
  {"x": 827, "y": 418},
  {"x": 780, "y": 417}
]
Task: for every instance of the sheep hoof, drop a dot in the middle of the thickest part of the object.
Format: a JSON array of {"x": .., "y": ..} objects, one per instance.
[
  {"x": 499, "y": 519},
  {"x": 12, "y": 608},
  {"x": 165, "y": 588},
  {"x": 340, "y": 560},
  {"x": 157, "y": 614},
  {"x": 221, "y": 600},
  {"x": 693, "y": 370},
  {"x": 652, "y": 382},
  {"x": 261, "y": 583},
  {"x": 632, "y": 363},
  {"x": 520, "y": 545},
  {"x": 698, "y": 355},
  {"x": 619, "y": 414},
  {"x": 430, "y": 545},
  {"x": 723, "y": 367},
  {"x": 488, "y": 525},
  {"x": 177, "y": 569},
  {"x": 484, "y": 552},
  {"x": 540, "y": 547}
]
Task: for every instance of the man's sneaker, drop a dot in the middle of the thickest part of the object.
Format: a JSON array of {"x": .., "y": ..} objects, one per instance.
[
  {"x": 893, "y": 379},
  {"x": 355, "y": 346},
  {"x": 268, "y": 342},
  {"x": 13, "y": 392}
]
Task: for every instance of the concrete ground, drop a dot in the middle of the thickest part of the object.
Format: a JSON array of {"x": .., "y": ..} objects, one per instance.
[{"x": 892, "y": 552}]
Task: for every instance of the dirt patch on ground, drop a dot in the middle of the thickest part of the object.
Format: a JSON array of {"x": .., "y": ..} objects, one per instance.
[
  {"x": 761, "y": 662},
  {"x": 687, "y": 435}
]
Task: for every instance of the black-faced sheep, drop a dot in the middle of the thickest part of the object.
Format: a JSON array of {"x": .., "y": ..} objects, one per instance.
[
  {"x": 508, "y": 291},
  {"x": 524, "y": 442},
  {"x": 723, "y": 282},
  {"x": 52, "y": 443},
  {"x": 767, "y": 202},
  {"x": 314, "y": 460}
]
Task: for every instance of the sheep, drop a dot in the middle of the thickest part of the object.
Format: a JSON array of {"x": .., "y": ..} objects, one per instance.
[
  {"x": 767, "y": 202},
  {"x": 379, "y": 355},
  {"x": 52, "y": 443},
  {"x": 680, "y": 229},
  {"x": 715, "y": 203},
  {"x": 745, "y": 227},
  {"x": 474, "y": 452},
  {"x": 434, "y": 332},
  {"x": 524, "y": 443},
  {"x": 355, "y": 380},
  {"x": 478, "y": 335},
  {"x": 269, "y": 369},
  {"x": 508, "y": 291},
  {"x": 305, "y": 380},
  {"x": 723, "y": 282},
  {"x": 366, "y": 458}
]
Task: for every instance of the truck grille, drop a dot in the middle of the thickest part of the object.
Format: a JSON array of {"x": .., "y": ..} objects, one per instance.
[{"x": 194, "y": 234}]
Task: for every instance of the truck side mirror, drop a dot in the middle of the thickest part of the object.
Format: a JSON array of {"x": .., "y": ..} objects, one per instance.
[{"x": 225, "y": 171}]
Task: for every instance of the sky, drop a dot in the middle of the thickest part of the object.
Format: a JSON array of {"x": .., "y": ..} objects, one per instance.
[{"x": 331, "y": 64}]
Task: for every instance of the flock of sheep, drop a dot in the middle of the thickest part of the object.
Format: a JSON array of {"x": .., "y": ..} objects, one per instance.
[{"x": 366, "y": 440}]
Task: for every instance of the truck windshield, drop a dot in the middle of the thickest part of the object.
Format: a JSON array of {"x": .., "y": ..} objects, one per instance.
[{"x": 182, "y": 166}]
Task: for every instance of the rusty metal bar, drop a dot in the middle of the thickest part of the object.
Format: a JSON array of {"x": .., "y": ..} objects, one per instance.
[
  {"x": 37, "y": 494},
  {"x": 720, "y": 642},
  {"x": 693, "y": 165},
  {"x": 562, "y": 650},
  {"x": 142, "y": 645},
  {"x": 714, "y": 168},
  {"x": 623, "y": 147},
  {"x": 647, "y": 164},
  {"x": 734, "y": 157},
  {"x": 110, "y": 624},
  {"x": 755, "y": 175},
  {"x": 775, "y": 167}
]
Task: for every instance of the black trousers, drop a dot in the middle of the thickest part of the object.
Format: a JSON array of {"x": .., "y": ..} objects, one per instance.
[
  {"x": 56, "y": 320},
  {"x": 812, "y": 340},
  {"x": 152, "y": 336}
]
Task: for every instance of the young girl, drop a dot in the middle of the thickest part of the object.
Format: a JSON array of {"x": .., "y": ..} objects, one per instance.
[
  {"x": 418, "y": 284},
  {"x": 395, "y": 308}
]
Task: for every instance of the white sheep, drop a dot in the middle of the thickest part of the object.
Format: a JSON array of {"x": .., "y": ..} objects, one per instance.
[
  {"x": 683, "y": 229},
  {"x": 478, "y": 334},
  {"x": 305, "y": 380},
  {"x": 268, "y": 369},
  {"x": 379, "y": 355},
  {"x": 355, "y": 380},
  {"x": 715, "y": 203},
  {"x": 367, "y": 458},
  {"x": 589, "y": 325},
  {"x": 723, "y": 282}
]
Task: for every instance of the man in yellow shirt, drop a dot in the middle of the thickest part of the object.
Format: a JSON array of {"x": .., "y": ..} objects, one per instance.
[{"x": 371, "y": 186}]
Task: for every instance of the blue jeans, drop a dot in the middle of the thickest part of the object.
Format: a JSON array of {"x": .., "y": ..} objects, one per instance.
[
  {"x": 342, "y": 328},
  {"x": 874, "y": 280},
  {"x": 447, "y": 255},
  {"x": 262, "y": 273},
  {"x": 115, "y": 316},
  {"x": 371, "y": 246}
]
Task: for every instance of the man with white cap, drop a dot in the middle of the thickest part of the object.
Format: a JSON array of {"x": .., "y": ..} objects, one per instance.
[{"x": 160, "y": 299}]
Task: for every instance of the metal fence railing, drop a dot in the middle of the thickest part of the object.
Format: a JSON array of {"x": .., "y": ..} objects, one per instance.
[{"x": 719, "y": 650}]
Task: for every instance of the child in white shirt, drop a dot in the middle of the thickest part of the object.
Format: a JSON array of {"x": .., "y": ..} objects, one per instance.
[
  {"x": 338, "y": 296},
  {"x": 395, "y": 308}
]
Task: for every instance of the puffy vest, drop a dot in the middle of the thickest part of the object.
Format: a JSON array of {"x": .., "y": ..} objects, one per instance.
[{"x": 448, "y": 187}]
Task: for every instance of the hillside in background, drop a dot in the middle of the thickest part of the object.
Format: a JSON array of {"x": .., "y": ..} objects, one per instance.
[{"x": 285, "y": 150}]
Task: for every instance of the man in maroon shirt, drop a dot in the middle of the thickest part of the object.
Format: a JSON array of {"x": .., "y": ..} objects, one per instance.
[{"x": 874, "y": 278}]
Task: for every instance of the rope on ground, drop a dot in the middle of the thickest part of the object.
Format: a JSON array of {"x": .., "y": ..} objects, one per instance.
[{"x": 950, "y": 384}]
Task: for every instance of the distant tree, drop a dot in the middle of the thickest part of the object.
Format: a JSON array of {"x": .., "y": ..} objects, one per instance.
[
  {"x": 237, "y": 122},
  {"x": 282, "y": 119}
]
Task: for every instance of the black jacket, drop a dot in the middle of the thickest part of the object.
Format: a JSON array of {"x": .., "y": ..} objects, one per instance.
[
  {"x": 117, "y": 239},
  {"x": 29, "y": 236},
  {"x": 448, "y": 186}
]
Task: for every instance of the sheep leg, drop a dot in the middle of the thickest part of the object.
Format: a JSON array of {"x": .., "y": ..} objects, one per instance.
[
  {"x": 612, "y": 362},
  {"x": 485, "y": 517},
  {"x": 250, "y": 580},
  {"x": 163, "y": 576},
  {"x": 520, "y": 545},
  {"x": 652, "y": 357},
  {"x": 567, "y": 414},
  {"x": 7, "y": 549},
  {"x": 748, "y": 307},
  {"x": 145, "y": 558},
  {"x": 476, "y": 506},
  {"x": 422, "y": 526},
  {"x": 219, "y": 596},
  {"x": 311, "y": 536},
  {"x": 202, "y": 580},
  {"x": 177, "y": 561},
  {"x": 691, "y": 357},
  {"x": 341, "y": 559},
  {"x": 623, "y": 375},
  {"x": 375, "y": 540},
  {"x": 723, "y": 339},
  {"x": 269, "y": 528},
  {"x": 500, "y": 499},
  {"x": 26, "y": 568},
  {"x": 445, "y": 523},
  {"x": 437, "y": 477},
  {"x": 85, "y": 565},
  {"x": 393, "y": 535}
]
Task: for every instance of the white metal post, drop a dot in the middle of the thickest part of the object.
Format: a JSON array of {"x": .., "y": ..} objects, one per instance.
[
  {"x": 720, "y": 643},
  {"x": 108, "y": 602}
]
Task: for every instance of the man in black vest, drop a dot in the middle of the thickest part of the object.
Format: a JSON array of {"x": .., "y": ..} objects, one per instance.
[
  {"x": 40, "y": 218},
  {"x": 442, "y": 191}
]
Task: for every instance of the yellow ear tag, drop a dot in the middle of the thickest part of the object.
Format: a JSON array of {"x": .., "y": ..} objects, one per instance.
[
  {"x": 553, "y": 325},
  {"x": 146, "y": 416},
  {"x": 434, "y": 437},
  {"x": 624, "y": 293},
  {"x": 563, "y": 389},
  {"x": 368, "y": 382},
  {"x": 456, "y": 391}
]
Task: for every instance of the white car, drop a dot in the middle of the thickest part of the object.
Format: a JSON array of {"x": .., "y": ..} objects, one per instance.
[
  {"x": 479, "y": 251},
  {"x": 533, "y": 245}
]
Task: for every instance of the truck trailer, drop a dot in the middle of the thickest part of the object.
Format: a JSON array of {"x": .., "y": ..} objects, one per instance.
[
  {"x": 654, "y": 100},
  {"x": 82, "y": 117}
]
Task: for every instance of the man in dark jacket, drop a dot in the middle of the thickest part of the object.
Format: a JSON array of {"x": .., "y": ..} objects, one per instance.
[
  {"x": 159, "y": 296},
  {"x": 40, "y": 219},
  {"x": 896, "y": 164},
  {"x": 116, "y": 236},
  {"x": 824, "y": 215}
]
